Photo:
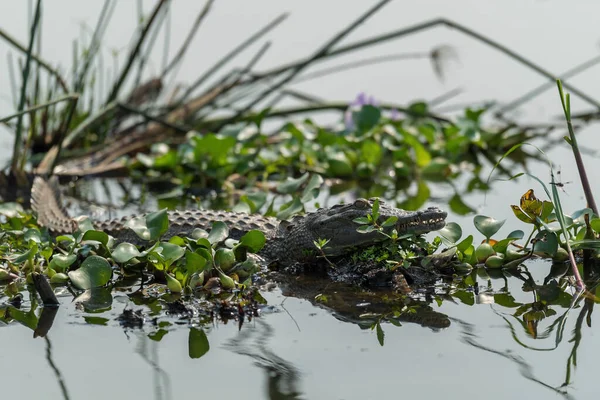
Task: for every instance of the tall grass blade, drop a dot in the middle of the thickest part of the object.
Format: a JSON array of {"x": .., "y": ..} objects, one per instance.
[
  {"x": 188, "y": 40},
  {"x": 26, "y": 69},
  {"x": 135, "y": 51}
]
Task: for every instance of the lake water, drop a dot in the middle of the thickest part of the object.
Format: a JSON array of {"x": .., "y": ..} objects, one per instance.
[{"x": 299, "y": 350}]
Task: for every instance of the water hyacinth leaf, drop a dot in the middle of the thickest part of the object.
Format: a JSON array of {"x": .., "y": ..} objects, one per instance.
[
  {"x": 157, "y": 223},
  {"x": 465, "y": 244},
  {"x": 516, "y": 234},
  {"x": 59, "y": 278},
  {"x": 85, "y": 225},
  {"x": 458, "y": 206},
  {"x": 546, "y": 242},
  {"x": 151, "y": 227},
  {"x": 97, "y": 236},
  {"x": 194, "y": 262},
  {"x": 215, "y": 148},
  {"x": 488, "y": 226},
  {"x": 530, "y": 204},
  {"x": 595, "y": 223},
  {"x": 253, "y": 240},
  {"x": 95, "y": 271},
  {"x": 290, "y": 185},
  {"x": 311, "y": 191},
  {"x": 370, "y": 152},
  {"x": 242, "y": 207},
  {"x": 173, "y": 284},
  {"x": 218, "y": 233},
  {"x": 579, "y": 215},
  {"x": 197, "y": 343},
  {"x": 416, "y": 202},
  {"x": 521, "y": 215},
  {"x": 422, "y": 156},
  {"x": 547, "y": 208},
  {"x": 339, "y": 165},
  {"x": 63, "y": 261},
  {"x": 366, "y": 118},
  {"x": 452, "y": 232},
  {"x": 33, "y": 234},
  {"x": 28, "y": 255},
  {"x": 125, "y": 252},
  {"x": 10, "y": 210},
  {"x": 290, "y": 208},
  {"x": 170, "y": 252},
  {"x": 501, "y": 245}
]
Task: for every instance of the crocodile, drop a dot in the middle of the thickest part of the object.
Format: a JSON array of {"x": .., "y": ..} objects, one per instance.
[{"x": 288, "y": 242}]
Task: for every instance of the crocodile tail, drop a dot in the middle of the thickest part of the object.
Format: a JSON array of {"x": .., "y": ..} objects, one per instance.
[{"x": 46, "y": 201}]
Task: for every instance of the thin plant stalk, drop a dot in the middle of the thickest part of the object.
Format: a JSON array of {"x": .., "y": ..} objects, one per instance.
[
  {"x": 52, "y": 71},
  {"x": 135, "y": 51},
  {"x": 547, "y": 85},
  {"x": 379, "y": 39},
  {"x": 69, "y": 97},
  {"x": 234, "y": 52},
  {"x": 26, "y": 69},
  {"x": 572, "y": 140},
  {"x": 293, "y": 72},
  {"x": 188, "y": 40}
]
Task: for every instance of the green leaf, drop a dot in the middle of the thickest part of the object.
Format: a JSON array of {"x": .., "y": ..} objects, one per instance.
[
  {"x": 197, "y": 343},
  {"x": 367, "y": 117},
  {"x": 365, "y": 228},
  {"x": 488, "y": 226},
  {"x": 253, "y": 240},
  {"x": 458, "y": 206},
  {"x": 125, "y": 252},
  {"x": 151, "y": 227},
  {"x": 97, "y": 236},
  {"x": 157, "y": 223},
  {"x": 391, "y": 221},
  {"x": 339, "y": 166},
  {"x": 311, "y": 191},
  {"x": 218, "y": 233},
  {"x": 290, "y": 186},
  {"x": 423, "y": 157},
  {"x": 213, "y": 148},
  {"x": 380, "y": 334},
  {"x": 370, "y": 152},
  {"x": 375, "y": 210},
  {"x": 32, "y": 234},
  {"x": 194, "y": 262},
  {"x": 451, "y": 232},
  {"x": 291, "y": 208},
  {"x": 95, "y": 271},
  {"x": 170, "y": 252},
  {"x": 63, "y": 261},
  {"x": 362, "y": 220},
  {"x": 465, "y": 244}
]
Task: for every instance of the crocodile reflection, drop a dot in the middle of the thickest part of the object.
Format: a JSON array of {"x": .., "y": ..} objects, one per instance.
[{"x": 356, "y": 305}]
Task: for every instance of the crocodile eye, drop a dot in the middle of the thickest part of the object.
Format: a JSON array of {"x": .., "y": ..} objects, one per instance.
[{"x": 361, "y": 203}]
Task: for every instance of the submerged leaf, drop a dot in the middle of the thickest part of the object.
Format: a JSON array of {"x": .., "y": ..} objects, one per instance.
[{"x": 197, "y": 343}]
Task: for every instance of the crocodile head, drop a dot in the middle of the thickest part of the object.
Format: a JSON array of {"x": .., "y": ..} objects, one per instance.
[{"x": 337, "y": 224}]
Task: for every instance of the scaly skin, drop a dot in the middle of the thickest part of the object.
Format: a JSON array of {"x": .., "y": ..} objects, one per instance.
[{"x": 287, "y": 241}]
